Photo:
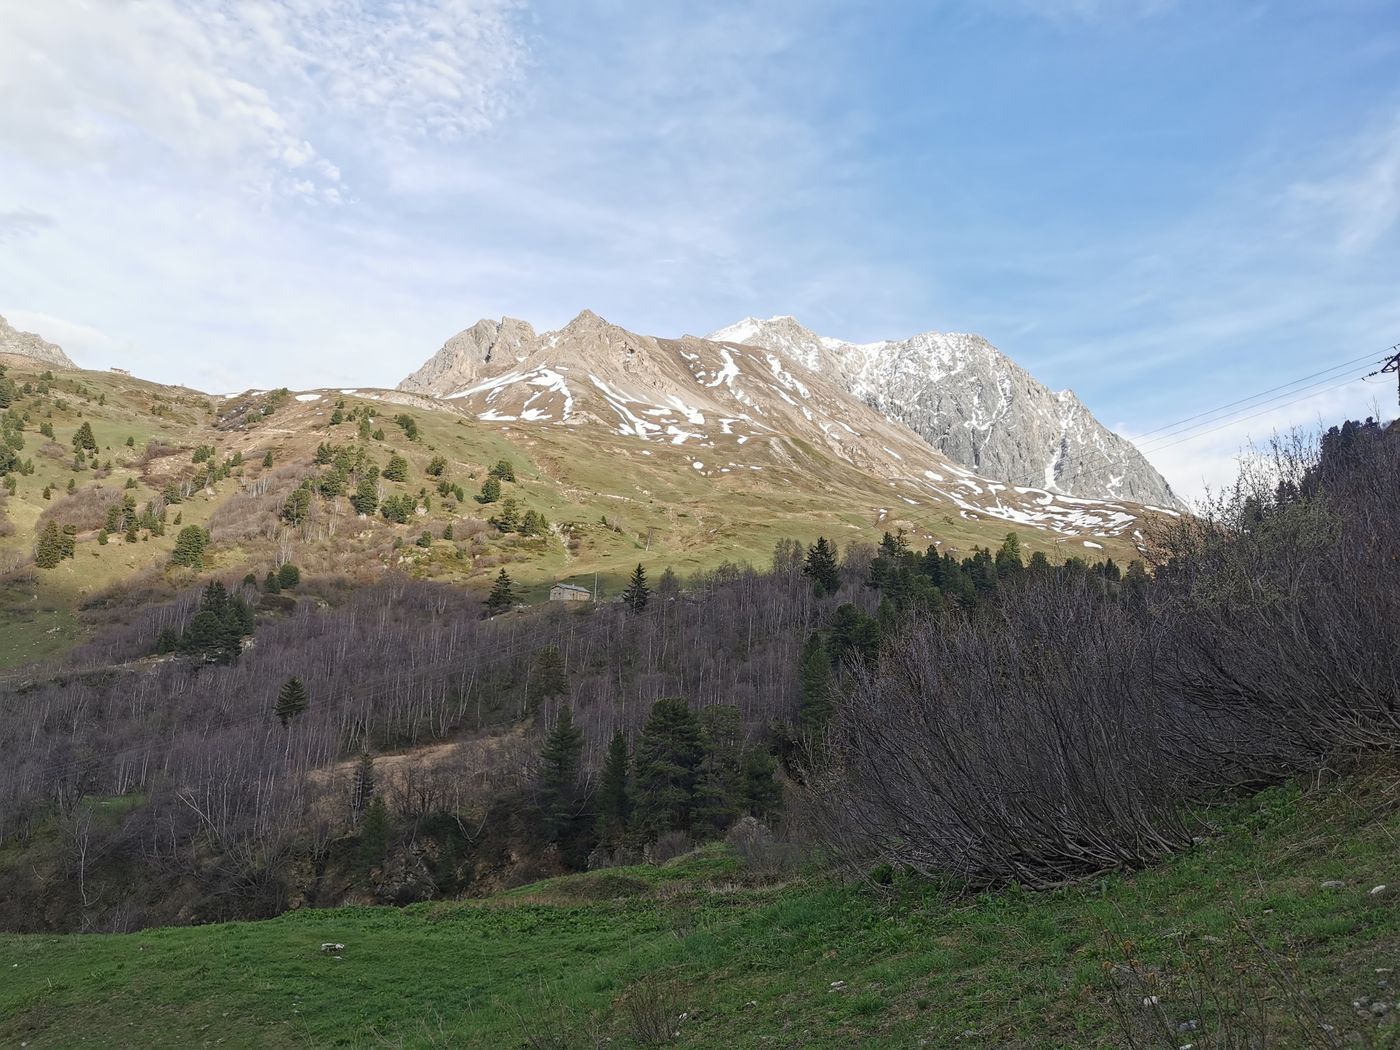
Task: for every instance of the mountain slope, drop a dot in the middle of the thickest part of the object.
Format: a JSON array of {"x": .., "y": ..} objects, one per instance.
[
  {"x": 974, "y": 404},
  {"x": 27, "y": 344},
  {"x": 733, "y": 410}
]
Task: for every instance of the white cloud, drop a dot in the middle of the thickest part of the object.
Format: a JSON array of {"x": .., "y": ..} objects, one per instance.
[
  {"x": 250, "y": 87},
  {"x": 22, "y": 223},
  {"x": 1359, "y": 204}
]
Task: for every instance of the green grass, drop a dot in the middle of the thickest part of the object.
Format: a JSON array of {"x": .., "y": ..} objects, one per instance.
[{"x": 752, "y": 964}]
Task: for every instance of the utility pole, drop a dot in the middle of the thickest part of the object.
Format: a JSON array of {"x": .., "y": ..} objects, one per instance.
[{"x": 1391, "y": 364}]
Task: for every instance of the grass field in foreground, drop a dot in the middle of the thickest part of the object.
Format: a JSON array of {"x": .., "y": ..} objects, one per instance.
[{"x": 579, "y": 958}]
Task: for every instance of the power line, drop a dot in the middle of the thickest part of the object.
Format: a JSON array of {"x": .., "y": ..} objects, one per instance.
[{"x": 1251, "y": 397}]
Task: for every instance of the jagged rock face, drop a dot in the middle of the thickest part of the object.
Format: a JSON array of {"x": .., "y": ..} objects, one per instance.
[
  {"x": 975, "y": 405},
  {"x": 728, "y": 409},
  {"x": 27, "y": 344},
  {"x": 471, "y": 353}
]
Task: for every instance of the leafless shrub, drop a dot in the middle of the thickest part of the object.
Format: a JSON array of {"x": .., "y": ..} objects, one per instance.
[
  {"x": 1215, "y": 999},
  {"x": 668, "y": 846},
  {"x": 84, "y": 509},
  {"x": 559, "y": 1027},
  {"x": 1060, "y": 731},
  {"x": 760, "y": 851},
  {"x": 651, "y": 1012}
]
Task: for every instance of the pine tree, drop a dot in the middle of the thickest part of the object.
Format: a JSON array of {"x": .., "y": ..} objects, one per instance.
[
  {"x": 362, "y": 786},
  {"x": 267, "y": 459},
  {"x": 167, "y": 641},
  {"x": 637, "y": 592},
  {"x": 614, "y": 800},
  {"x": 436, "y": 467},
  {"x": 397, "y": 470},
  {"x": 1008, "y": 559},
  {"x": 502, "y": 595},
  {"x": 374, "y": 836},
  {"x": 366, "y": 497},
  {"x": 550, "y": 679},
  {"x": 490, "y": 491},
  {"x": 48, "y": 551},
  {"x": 84, "y": 439},
  {"x": 667, "y": 758},
  {"x": 503, "y": 470},
  {"x": 271, "y": 584},
  {"x": 189, "y": 547},
  {"x": 291, "y": 700},
  {"x": 288, "y": 576},
  {"x": 560, "y": 757},
  {"x": 814, "y": 672},
  {"x": 821, "y": 567}
]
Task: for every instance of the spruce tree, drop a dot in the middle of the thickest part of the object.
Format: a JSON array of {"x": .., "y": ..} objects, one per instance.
[
  {"x": 502, "y": 595},
  {"x": 614, "y": 800},
  {"x": 821, "y": 567},
  {"x": 814, "y": 671},
  {"x": 668, "y": 755},
  {"x": 267, "y": 459},
  {"x": 559, "y": 767},
  {"x": 490, "y": 491},
  {"x": 366, "y": 497},
  {"x": 84, "y": 438},
  {"x": 291, "y": 700},
  {"x": 288, "y": 576},
  {"x": 362, "y": 785},
  {"x": 374, "y": 836},
  {"x": 637, "y": 592},
  {"x": 397, "y": 470},
  {"x": 1008, "y": 559},
  {"x": 189, "y": 547},
  {"x": 550, "y": 679},
  {"x": 48, "y": 551}
]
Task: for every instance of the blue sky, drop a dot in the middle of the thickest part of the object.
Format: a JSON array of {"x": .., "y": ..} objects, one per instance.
[{"x": 1163, "y": 205}]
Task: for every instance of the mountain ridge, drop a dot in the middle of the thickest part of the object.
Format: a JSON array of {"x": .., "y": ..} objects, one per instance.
[
  {"x": 31, "y": 345},
  {"x": 975, "y": 404}
]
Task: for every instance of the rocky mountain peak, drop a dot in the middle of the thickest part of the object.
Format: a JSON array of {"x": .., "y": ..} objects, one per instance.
[
  {"x": 974, "y": 404},
  {"x": 27, "y": 344}
]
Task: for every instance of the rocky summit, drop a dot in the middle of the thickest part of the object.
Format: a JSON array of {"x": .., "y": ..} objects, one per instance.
[
  {"x": 27, "y": 344},
  {"x": 976, "y": 406}
]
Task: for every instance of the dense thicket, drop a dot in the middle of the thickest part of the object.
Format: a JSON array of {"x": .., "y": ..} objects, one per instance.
[{"x": 1060, "y": 729}]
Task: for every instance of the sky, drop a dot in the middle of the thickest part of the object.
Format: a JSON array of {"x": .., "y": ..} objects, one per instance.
[{"x": 1164, "y": 205}]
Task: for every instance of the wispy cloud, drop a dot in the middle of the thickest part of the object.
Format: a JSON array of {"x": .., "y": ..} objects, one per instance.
[
  {"x": 22, "y": 224},
  {"x": 242, "y": 86},
  {"x": 1359, "y": 204}
]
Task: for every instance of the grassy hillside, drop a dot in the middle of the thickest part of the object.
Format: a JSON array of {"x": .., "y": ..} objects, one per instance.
[
  {"x": 1247, "y": 919},
  {"x": 612, "y": 501}
]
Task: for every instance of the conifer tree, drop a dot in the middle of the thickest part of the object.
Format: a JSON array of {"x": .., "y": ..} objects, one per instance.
[
  {"x": 563, "y": 748},
  {"x": 614, "y": 800},
  {"x": 668, "y": 755},
  {"x": 84, "y": 439},
  {"x": 490, "y": 491},
  {"x": 550, "y": 679},
  {"x": 502, "y": 595},
  {"x": 366, "y": 497},
  {"x": 189, "y": 547},
  {"x": 814, "y": 672},
  {"x": 48, "y": 551},
  {"x": 267, "y": 459},
  {"x": 291, "y": 700},
  {"x": 1008, "y": 559},
  {"x": 362, "y": 785},
  {"x": 374, "y": 836},
  {"x": 288, "y": 576},
  {"x": 397, "y": 470},
  {"x": 821, "y": 567},
  {"x": 637, "y": 592}
]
